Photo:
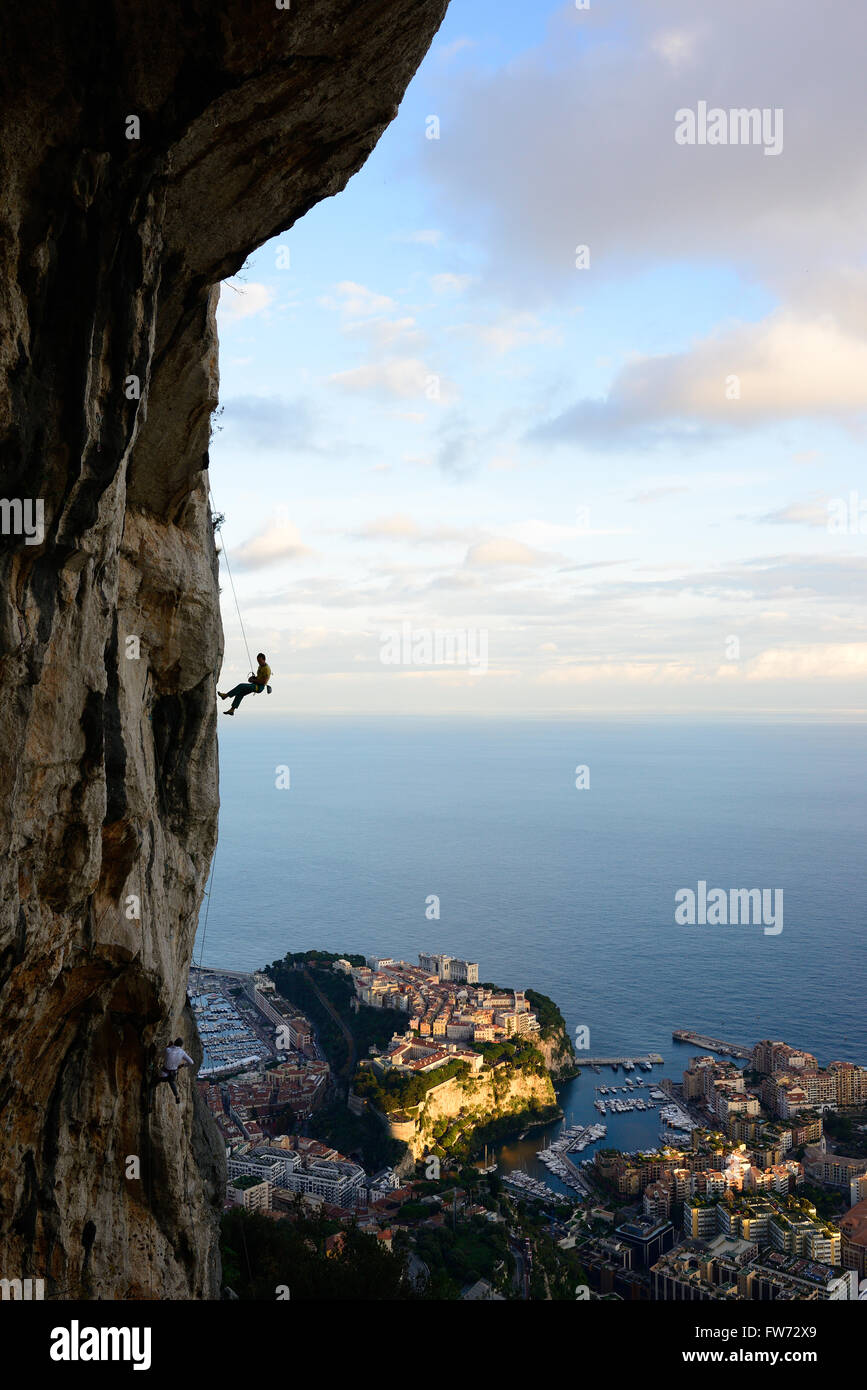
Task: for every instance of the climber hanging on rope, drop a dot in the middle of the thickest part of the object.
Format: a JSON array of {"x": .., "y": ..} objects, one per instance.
[
  {"x": 253, "y": 686},
  {"x": 175, "y": 1058}
]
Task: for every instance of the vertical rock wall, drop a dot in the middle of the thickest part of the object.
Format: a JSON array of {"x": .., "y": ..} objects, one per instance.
[{"x": 109, "y": 249}]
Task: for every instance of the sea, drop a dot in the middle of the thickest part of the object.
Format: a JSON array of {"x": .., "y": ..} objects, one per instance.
[{"x": 551, "y": 852}]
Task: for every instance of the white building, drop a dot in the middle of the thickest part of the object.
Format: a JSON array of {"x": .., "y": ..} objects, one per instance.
[
  {"x": 464, "y": 972},
  {"x": 340, "y": 1183}
]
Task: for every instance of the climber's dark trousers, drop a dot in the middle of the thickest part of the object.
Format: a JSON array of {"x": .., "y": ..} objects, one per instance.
[
  {"x": 172, "y": 1078},
  {"x": 245, "y": 688}
]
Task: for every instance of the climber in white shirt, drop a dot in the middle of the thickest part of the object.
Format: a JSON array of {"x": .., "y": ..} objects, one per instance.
[{"x": 175, "y": 1058}]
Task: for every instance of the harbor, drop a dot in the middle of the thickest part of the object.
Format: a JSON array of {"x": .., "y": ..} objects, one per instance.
[
  {"x": 626, "y": 1109},
  {"x": 621, "y": 1100},
  {"x": 556, "y": 1158}
]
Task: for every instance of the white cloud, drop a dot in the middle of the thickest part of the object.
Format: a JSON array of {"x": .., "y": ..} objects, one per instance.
[
  {"x": 243, "y": 301},
  {"x": 447, "y": 51},
  {"x": 622, "y": 673},
  {"x": 588, "y": 126},
  {"x": 384, "y": 332},
  {"x": 514, "y": 331},
  {"x": 401, "y": 527},
  {"x": 357, "y": 301},
  {"x": 501, "y": 551},
  {"x": 397, "y": 526},
  {"x": 814, "y": 513},
  {"x": 427, "y": 236},
  {"x": 405, "y": 377},
  {"x": 655, "y": 494},
  {"x": 784, "y": 367},
  {"x": 845, "y": 661},
  {"x": 277, "y": 542},
  {"x": 448, "y": 281}
]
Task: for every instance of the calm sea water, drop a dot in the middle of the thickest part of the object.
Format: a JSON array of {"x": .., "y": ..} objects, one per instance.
[{"x": 568, "y": 891}]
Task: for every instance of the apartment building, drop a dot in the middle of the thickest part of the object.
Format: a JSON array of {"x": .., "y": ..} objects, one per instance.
[
  {"x": 832, "y": 1170},
  {"x": 254, "y": 1194},
  {"x": 768, "y": 1057},
  {"x": 322, "y": 1174},
  {"x": 853, "y": 1242}
]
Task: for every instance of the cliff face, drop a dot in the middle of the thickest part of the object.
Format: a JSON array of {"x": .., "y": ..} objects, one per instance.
[
  {"x": 558, "y": 1056},
  {"x": 472, "y": 1101},
  {"x": 109, "y": 249}
]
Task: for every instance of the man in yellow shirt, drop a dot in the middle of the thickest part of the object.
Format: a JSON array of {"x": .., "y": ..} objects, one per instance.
[{"x": 254, "y": 686}]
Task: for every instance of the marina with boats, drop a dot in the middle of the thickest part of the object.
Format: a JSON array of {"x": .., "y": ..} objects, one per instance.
[
  {"x": 647, "y": 1115},
  {"x": 621, "y": 1100}
]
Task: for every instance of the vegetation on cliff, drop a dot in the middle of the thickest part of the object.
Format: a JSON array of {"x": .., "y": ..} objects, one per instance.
[
  {"x": 514, "y": 1055},
  {"x": 554, "y": 1036},
  {"x": 398, "y": 1090},
  {"x": 463, "y": 1139}
]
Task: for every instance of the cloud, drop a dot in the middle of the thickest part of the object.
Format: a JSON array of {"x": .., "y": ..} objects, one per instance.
[
  {"x": 277, "y": 542},
  {"x": 501, "y": 551},
  {"x": 587, "y": 118},
  {"x": 428, "y": 236},
  {"x": 243, "y": 301},
  {"x": 271, "y": 422},
  {"x": 400, "y": 527},
  {"x": 654, "y": 494},
  {"x": 513, "y": 331},
  {"x": 358, "y": 301},
  {"x": 405, "y": 377},
  {"x": 747, "y": 375},
  {"x": 843, "y": 661},
  {"x": 449, "y": 282},
  {"x": 801, "y": 514},
  {"x": 384, "y": 332},
  {"x": 622, "y": 673},
  {"x": 447, "y": 51}
]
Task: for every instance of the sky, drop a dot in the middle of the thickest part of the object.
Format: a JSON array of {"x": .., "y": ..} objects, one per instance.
[{"x": 583, "y": 398}]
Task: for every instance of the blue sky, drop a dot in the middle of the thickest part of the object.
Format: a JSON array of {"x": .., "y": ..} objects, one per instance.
[{"x": 623, "y": 474}]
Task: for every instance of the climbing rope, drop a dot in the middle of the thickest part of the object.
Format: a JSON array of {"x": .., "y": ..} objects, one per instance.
[
  {"x": 218, "y": 526},
  {"x": 207, "y": 910}
]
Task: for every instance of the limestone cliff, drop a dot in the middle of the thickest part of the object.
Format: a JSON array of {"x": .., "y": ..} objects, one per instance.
[
  {"x": 242, "y": 116},
  {"x": 553, "y": 1040},
  {"x": 471, "y": 1102}
]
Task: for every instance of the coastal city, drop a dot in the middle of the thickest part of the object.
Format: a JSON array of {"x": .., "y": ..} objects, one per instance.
[{"x": 748, "y": 1193}]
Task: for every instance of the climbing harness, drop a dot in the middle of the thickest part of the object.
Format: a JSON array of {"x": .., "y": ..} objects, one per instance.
[{"x": 217, "y": 520}]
